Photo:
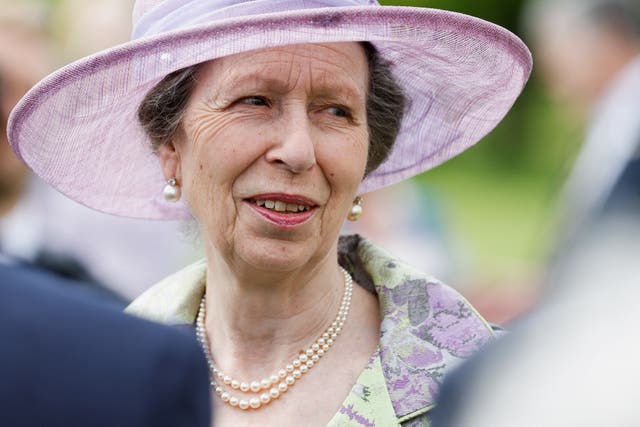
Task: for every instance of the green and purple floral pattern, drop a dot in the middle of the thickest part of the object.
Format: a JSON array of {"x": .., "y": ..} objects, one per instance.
[{"x": 427, "y": 329}]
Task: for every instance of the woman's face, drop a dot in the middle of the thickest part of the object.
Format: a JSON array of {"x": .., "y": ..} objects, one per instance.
[{"x": 274, "y": 147}]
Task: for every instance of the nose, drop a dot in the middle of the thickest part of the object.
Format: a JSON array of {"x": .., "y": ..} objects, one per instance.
[{"x": 294, "y": 148}]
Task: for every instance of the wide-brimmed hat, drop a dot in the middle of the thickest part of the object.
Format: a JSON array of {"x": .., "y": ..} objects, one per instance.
[{"x": 78, "y": 128}]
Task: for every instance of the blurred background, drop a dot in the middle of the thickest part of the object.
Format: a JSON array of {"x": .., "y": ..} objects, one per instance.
[{"x": 485, "y": 222}]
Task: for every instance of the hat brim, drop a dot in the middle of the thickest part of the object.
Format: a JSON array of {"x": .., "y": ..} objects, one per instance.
[{"x": 78, "y": 130}]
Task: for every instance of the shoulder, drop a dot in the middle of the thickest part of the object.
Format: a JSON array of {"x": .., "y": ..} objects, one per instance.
[
  {"x": 175, "y": 299},
  {"x": 112, "y": 368},
  {"x": 412, "y": 297},
  {"x": 427, "y": 328}
]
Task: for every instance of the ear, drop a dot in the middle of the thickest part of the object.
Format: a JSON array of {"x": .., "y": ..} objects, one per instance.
[{"x": 169, "y": 161}]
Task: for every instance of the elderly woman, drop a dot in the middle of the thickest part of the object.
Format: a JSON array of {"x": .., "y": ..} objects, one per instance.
[{"x": 270, "y": 119}]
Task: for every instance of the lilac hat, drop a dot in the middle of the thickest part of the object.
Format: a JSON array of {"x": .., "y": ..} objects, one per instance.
[{"x": 78, "y": 129}]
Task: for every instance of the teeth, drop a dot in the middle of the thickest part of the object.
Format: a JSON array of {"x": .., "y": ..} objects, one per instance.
[{"x": 279, "y": 206}]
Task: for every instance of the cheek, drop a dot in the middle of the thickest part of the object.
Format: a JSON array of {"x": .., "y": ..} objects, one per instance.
[
  {"x": 355, "y": 155},
  {"x": 211, "y": 167},
  {"x": 344, "y": 164},
  {"x": 197, "y": 179},
  {"x": 216, "y": 152},
  {"x": 198, "y": 170}
]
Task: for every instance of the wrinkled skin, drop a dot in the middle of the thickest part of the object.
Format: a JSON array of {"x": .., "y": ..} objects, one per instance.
[{"x": 288, "y": 120}]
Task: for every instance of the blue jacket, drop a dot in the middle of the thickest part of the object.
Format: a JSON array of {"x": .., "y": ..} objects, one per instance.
[{"x": 69, "y": 360}]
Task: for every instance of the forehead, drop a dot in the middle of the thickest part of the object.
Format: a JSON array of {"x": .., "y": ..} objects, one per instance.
[{"x": 338, "y": 66}]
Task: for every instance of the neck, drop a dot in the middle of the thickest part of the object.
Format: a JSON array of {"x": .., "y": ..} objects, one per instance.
[{"x": 256, "y": 322}]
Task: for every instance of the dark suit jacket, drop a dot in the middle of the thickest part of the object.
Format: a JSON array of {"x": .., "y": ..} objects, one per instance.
[{"x": 69, "y": 360}]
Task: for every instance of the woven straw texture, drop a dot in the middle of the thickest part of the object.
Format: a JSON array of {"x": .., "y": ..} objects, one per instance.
[{"x": 77, "y": 129}]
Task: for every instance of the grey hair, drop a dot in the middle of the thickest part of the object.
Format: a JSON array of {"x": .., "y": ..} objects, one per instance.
[
  {"x": 386, "y": 104},
  {"x": 163, "y": 108}
]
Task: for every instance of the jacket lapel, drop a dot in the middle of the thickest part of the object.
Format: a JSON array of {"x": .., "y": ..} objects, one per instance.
[{"x": 427, "y": 328}]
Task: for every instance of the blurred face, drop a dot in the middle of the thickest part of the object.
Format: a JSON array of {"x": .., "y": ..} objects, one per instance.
[
  {"x": 273, "y": 150},
  {"x": 24, "y": 59},
  {"x": 11, "y": 168},
  {"x": 577, "y": 58}
]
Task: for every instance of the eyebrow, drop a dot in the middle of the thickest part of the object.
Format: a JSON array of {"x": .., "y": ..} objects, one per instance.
[{"x": 325, "y": 85}]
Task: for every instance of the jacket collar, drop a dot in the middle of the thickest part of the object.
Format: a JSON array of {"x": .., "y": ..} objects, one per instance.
[
  {"x": 427, "y": 328},
  {"x": 174, "y": 300}
]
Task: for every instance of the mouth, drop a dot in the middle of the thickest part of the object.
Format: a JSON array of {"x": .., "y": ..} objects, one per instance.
[
  {"x": 282, "y": 209},
  {"x": 280, "y": 206}
]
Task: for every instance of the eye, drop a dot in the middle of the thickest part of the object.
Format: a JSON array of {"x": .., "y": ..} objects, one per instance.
[
  {"x": 258, "y": 101},
  {"x": 339, "y": 112}
]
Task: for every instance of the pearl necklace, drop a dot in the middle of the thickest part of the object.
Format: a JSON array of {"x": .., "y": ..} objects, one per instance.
[{"x": 277, "y": 383}]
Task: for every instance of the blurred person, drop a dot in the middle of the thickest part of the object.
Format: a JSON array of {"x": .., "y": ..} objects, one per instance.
[
  {"x": 117, "y": 257},
  {"x": 70, "y": 360},
  {"x": 588, "y": 52},
  {"x": 270, "y": 120},
  {"x": 25, "y": 57},
  {"x": 572, "y": 361}
]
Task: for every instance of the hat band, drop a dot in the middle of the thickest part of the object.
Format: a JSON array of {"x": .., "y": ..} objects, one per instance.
[{"x": 176, "y": 14}]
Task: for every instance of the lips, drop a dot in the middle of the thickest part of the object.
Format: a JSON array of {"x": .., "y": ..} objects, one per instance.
[{"x": 284, "y": 210}]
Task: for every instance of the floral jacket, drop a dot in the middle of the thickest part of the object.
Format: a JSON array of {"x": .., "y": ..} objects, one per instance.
[{"x": 427, "y": 328}]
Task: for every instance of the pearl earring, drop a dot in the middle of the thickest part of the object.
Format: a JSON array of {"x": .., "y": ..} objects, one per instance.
[
  {"x": 356, "y": 210},
  {"x": 172, "y": 191}
]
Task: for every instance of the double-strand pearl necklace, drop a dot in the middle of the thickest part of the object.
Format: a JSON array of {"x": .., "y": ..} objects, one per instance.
[{"x": 270, "y": 388}]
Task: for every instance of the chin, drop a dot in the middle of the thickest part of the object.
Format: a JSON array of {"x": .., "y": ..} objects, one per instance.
[{"x": 273, "y": 255}]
